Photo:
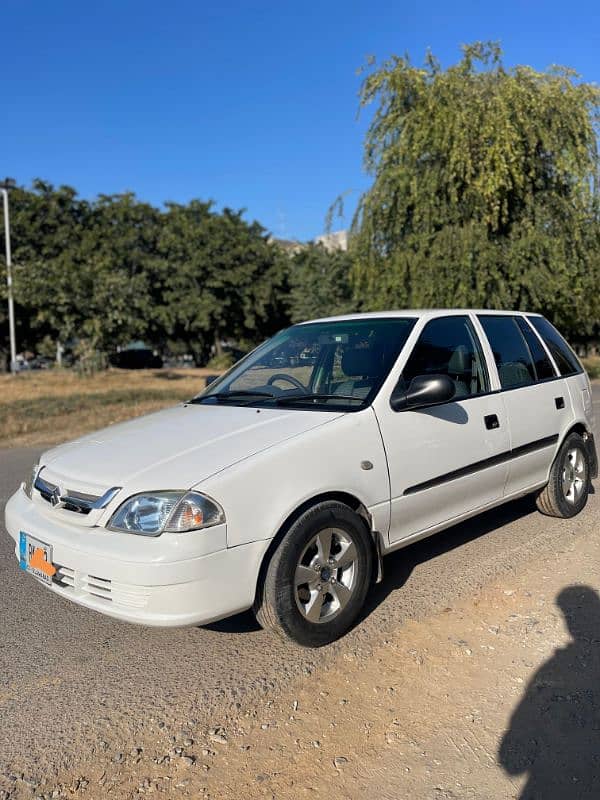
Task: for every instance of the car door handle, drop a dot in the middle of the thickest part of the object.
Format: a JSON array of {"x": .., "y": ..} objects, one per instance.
[
  {"x": 559, "y": 402},
  {"x": 491, "y": 422}
]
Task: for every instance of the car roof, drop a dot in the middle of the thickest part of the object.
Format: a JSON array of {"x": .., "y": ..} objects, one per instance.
[{"x": 419, "y": 313}]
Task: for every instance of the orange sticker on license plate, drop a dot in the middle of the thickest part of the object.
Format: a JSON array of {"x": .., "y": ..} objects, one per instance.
[{"x": 36, "y": 557}]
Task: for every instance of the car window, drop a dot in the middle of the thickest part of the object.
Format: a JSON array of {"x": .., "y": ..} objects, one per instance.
[
  {"x": 565, "y": 358},
  {"x": 543, "y": 365},
  {"x": 449, "y": 346},
  {"x": 511, "y": 354},
  {"x": 339, "y": 361}
]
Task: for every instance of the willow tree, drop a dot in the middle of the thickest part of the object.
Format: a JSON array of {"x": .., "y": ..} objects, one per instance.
[{"x": 484, "y": 188}]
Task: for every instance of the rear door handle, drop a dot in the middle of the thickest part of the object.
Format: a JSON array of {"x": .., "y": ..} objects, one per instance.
[
  {"x": 491, "y": 422},
  {"x": 559, "y": 402}
]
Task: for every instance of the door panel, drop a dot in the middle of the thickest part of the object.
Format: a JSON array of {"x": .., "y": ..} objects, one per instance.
[
  {"x": 443, "y": 461},
  {"x": 537, "y": 422},
  {"x": 537, "y": 402}
]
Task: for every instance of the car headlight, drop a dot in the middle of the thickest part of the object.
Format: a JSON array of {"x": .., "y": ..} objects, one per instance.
[
  {"x": 152, "y": 513},
  {"x": 30, "y": 480}
]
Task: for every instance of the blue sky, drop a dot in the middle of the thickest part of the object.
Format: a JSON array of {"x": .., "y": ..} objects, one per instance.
[{"x": 252, "y": 104}]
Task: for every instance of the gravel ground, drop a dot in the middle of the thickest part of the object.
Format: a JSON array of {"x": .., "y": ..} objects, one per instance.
[{"x": 80, "y": 692}]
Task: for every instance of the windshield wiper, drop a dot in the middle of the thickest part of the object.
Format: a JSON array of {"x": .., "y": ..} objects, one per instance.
[
  {"x": 277, "y": 399},
  {"x": 226, "y": 395},
  {"x": 294, "y": 398}
]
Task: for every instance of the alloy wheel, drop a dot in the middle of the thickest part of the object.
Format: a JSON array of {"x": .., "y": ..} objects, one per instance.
[
  {"x": 326, "y": 575},
  {"x": 574, "y": 476}
]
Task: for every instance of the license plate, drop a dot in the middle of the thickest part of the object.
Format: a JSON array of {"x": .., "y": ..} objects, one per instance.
[{"x": 35, "y": 557}]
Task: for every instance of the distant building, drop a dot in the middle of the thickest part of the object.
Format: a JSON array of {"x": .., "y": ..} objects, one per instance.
[
  {"x": 338, "y": 240},
  {"x": 289, "y": 245}
]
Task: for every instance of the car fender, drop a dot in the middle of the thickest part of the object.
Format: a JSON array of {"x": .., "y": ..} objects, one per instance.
[{"x": 260, "y": 493}]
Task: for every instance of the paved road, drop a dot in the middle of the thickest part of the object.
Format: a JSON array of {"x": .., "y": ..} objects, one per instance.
[{"x": 71, "y": 679}]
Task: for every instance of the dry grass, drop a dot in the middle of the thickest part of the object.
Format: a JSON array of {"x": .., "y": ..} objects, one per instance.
[
  {"x": 48, "y": 407},
  {"x": 592, "y": 366}
]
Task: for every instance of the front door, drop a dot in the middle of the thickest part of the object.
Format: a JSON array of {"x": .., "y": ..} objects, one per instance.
[{"x": 448, "y": 459}]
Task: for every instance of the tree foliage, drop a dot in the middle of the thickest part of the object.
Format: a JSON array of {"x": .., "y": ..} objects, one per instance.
[
  {"x": 81, "y": 268},
  {"x": 485, "y": 189},
  {"x": 101, "y": 273},
  {"x": 219, "y": 278},
  {"x": 320, "y": 283}
]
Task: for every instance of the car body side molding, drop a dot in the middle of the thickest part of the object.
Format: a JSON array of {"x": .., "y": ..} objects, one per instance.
[{"x": 486, "y": 463}]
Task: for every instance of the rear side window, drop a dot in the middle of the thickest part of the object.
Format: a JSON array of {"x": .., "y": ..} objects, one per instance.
[
  {"x": 565, "y": 358},
  {"x": 511, "y": 354},
  {"x": 543, "y": 365},
  {"x": 449, "y": 346}
]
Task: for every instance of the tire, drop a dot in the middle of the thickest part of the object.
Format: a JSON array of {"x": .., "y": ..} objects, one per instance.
[
  {"x": 303, "y": 595},
  {"x": 567, "y": 490}
]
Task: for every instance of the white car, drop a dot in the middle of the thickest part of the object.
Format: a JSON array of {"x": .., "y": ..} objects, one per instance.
[{"x": 283, "y": 484}]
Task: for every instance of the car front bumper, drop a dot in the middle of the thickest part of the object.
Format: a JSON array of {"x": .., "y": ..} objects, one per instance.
[{"x": 169, "y": 580}]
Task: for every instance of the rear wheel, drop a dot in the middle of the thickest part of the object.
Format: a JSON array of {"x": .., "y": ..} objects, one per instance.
[
  {"x": 566, "y": 493},
  {"x": 316, "y": 582}
]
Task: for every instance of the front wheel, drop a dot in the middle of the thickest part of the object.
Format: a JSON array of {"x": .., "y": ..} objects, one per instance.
[
  {"x": 566, "y": 493},
  {"x": 316, "y": 582}
]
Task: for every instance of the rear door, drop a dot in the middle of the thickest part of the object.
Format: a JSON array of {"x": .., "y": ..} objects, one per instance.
[
  {"x": 448, "y": 459},
  {"x": 536, "y": 398}
]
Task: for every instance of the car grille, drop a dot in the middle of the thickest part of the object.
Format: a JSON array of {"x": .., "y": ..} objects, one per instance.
[
  {"x": 120, "y": 594},
  {"x": 70, "y": 503},
  {"x": 71, "y": 500}
]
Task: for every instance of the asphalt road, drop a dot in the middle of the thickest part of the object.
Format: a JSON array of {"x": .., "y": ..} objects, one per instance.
[{"x": 73, "y": 682}]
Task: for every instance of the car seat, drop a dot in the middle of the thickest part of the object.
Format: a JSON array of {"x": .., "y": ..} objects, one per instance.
[
  {"x": 362, "y": 367},
  {"x": 514, "y": 373},
  {"x": 460, "y": 370}
]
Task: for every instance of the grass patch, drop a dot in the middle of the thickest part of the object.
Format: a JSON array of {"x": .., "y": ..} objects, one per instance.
[
  {"x": 592, "y": 367},
  {"x": 56, "y": 405},
  {"x": 30, "y": 415}
]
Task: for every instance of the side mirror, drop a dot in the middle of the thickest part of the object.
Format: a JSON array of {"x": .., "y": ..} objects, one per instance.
[{"x": 424, "y": 390}]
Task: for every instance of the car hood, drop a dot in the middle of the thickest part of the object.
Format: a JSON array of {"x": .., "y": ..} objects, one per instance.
[{"x": 174, "y": 449}]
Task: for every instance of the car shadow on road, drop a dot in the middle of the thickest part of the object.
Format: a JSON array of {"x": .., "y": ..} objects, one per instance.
[
  {"x": 240, "y": 623},
  {"x": 553, "y": 736},
  {"x": 398, "y": 566}
]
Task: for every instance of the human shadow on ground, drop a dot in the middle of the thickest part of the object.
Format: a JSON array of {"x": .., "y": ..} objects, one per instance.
[{"x": 554, "y": 733}]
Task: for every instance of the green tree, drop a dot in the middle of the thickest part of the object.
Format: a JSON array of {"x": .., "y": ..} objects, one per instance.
[
  {"x": 220, "y": 279},
  {"x": 83, "y": 269},
  {"x": 46, "y": 227},
  {"x": 485, "y": 189},
  {"x": 320, "y": 283},
  {"x": 119, "y": 247},
  {"x": 99, "y": 273}
]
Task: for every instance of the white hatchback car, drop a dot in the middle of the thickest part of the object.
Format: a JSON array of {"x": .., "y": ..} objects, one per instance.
[{"x": 284, "y": 483}]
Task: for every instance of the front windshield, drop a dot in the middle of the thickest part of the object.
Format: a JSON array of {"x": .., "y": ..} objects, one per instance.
[{"x": 329, "y": 365}]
